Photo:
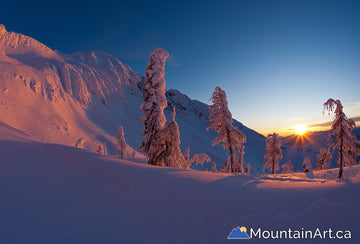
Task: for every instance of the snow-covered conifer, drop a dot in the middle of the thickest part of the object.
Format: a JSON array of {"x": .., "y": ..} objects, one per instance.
[
  {"x": 356, "y": 148},
  {"x": 186, "y": 158},
  {"x": 287, "y": 168},
  {"x": 247, "y": 169},
  {"x": 307, "y": 165},
  {"x": 239, "y": 164},
  {"x": 133, "y": 154},
  {"x": 323, "y": 159},
  {"x": 352, "y": 152},
  {"x": 226, "y": 167},
  {"x": 340, "y": 136},
  {"x": 200, "y": 158},
  {"x": 120, "y": 141},
  {"x": 221, "y": 122},
  {"x": 80, "y": 143},
  {"x": 100, "y": 150},
  {"x": 168, "y": 152},
  {"x": 154, "y": 103},
  {"x": 213, "y": 168},
  {"x": 273, "y": 154}
]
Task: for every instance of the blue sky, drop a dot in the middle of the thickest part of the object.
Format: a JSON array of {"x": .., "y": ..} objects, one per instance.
[{"x": 278, "y": 61}]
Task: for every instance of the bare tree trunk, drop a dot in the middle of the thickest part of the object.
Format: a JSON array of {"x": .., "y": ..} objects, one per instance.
[{"x": 273, "y": 167}]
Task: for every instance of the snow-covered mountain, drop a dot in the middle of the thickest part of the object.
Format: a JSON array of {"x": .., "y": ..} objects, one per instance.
[{"x": 60, "y": 98}]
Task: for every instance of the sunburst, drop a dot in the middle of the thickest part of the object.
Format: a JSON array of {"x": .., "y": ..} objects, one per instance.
[{"x": 300, "y": 130}]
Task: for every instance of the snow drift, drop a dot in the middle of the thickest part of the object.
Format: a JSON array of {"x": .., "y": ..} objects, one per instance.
[{"x": 57, "y": 194}]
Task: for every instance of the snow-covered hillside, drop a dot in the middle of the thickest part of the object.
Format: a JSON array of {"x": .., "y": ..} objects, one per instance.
[
  {"x": 60, "y": 98},
  {"x": 52, "y": 193}
]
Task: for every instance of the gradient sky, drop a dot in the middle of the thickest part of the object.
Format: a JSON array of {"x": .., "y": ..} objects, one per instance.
[{"x": 278, "y": 61}]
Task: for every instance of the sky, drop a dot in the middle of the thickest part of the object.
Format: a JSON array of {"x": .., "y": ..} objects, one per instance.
[{"x": 278, "y": 61}]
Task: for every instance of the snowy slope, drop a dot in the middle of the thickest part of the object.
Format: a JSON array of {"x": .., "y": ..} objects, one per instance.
[
  {"x": 57, "y": 194},
  {"x": 60, "y": 98}
]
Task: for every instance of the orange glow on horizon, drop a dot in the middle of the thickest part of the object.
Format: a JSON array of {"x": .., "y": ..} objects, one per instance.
[{"x": 297, "y": 130}]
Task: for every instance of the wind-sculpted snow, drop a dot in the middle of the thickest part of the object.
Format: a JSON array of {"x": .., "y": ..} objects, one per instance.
[
  {"x": 78, "y": 74},
  {"x": 57, "y": 194},
  {"x": 14, "y": 43}
]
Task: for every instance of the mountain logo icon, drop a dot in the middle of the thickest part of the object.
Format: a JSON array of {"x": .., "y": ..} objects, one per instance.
[{"x": 238, "y": 233}]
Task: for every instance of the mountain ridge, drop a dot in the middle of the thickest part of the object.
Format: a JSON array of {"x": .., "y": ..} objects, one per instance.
[{"x": 88, "y": 95}]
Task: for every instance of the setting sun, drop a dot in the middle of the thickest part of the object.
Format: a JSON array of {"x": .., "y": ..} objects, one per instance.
[{"x": 300, "y": 130}]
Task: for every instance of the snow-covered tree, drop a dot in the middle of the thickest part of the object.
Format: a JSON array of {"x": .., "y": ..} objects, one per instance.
[
  {"x": 239, "y": 164},
  {"x": 323, "y": 159},
  {"x": 307, "y": 165},
  {"x": 273, "y": 154},
  {"x": 340, "y": 136},
  {"x": 226, "y": 167},
  {"x": 168, "y": 151},
  {"x": 222, "y": 123},
  {"x": 200, "y": 158},
  {"x": 213, "y": 168},
  {"x": 120, "y": 141},
  {"x": 154, "y": 104},
  {"x": 357, "y": 148},
  {"x": 287, "y": 168},
  {"x": 80, "y": 143},
  {"x": 247, "y": 169},
  {"x": 133, "y": 154},
  {"x": 100, "y": 150},
  {"x": 352, "y": 152},
  {"x": 186, "y": 158}
]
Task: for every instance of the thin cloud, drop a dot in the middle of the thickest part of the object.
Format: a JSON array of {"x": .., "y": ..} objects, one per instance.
[
  {"x": 354, "y": 105},
  {"x": 324, "y": 124},
  {"x": 356, "y": 119},
  {"x": 329, "y": 123}
]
